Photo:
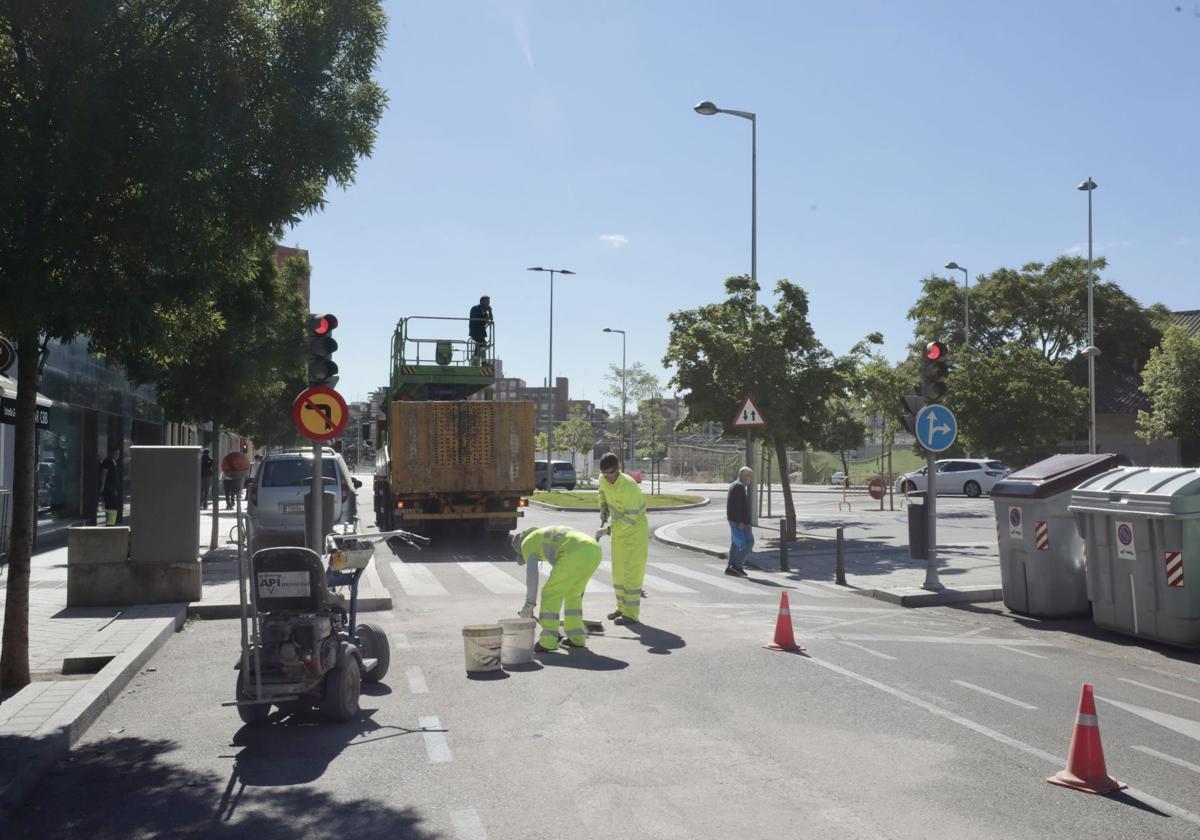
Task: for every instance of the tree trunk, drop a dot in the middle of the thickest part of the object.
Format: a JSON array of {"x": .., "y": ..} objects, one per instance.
[
  {"x": 14, "y": 655},
  {"x": 845, "y": 463},
  {"x": 216, "y": 484},
  {"x": 789, "y": 506}
]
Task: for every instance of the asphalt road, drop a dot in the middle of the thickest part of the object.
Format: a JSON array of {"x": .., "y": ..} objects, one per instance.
[{"x": 896, "y": 724}]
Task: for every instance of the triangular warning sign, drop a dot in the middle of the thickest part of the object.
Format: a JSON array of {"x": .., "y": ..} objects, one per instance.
[{"x": 749, "y": 417}]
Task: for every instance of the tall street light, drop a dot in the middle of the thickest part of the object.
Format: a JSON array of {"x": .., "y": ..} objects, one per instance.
[
  {"x": 550, "y": 380},
  {"x": 622, "y": 332},
  {"x": 707, "y": 109},
  {"x": 1091, "y": 351},
  {"x": 953, "y": 266}
]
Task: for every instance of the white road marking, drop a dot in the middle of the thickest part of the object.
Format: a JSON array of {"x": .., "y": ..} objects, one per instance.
[
  {"x": 1179, "y": 762},
  {"x": 999, "y": 737},
  {"x": 1171, "y": 674},
  {"x": 435, "y": 742},
  {"x": 813, "y": 591},
  {"x": 1018, "y": 703},
  {"x": 654, "y": 582},
  {"x": 1161, "y": 690},
  {"x": 467, "y": 825},
  {"x": 868, "y": 650},
  {"x": 798, "y": 607},
  {"x": 1183, "y": 726},
  {"x": 1011, "y": 649},
  {"x": 711, "y": 580},
  {"x": 974, "y": 632},
  {"x": 938, "y": 640},
  {"x": 417, "y": 581},
  {"x": 866, "y": 620},
  {"x": 416, "y": 680},
  {"x": 493, "y": 578}
]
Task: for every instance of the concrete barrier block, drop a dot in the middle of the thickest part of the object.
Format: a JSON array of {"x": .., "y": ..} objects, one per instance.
[
  {"x": 126, "y": 583},
  {"x": 90, "y": 545}
]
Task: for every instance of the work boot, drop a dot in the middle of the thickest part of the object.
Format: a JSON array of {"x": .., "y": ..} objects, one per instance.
[
  {"x": 614, "y": 615},
  {"x": 624, "y": 620}
]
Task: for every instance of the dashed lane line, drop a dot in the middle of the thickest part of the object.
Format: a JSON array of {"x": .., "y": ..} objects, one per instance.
[
  {"x": 866, "y": 649},
  {"x": 416, "y": 680},
  {"x": 435, "y": 739},
  {"x": 937, "y": 640},
  {"x": 1012, "y": 649},
  {"x": 1178, "y": 762},
  {"x": 1020, "y": 704},
  {"x": 988, "y": 732},
  {"x": 467, "y": 825},
  {"x": 1161, "y": 690}
]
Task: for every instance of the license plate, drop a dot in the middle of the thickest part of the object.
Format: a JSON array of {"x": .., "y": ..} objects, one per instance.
[{"x": 292, "y": 508}]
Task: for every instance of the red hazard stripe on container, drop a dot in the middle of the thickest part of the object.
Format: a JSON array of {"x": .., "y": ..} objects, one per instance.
[
  {"x": 1174, "y": 561},
  {"x": 1041, "y": 535}
]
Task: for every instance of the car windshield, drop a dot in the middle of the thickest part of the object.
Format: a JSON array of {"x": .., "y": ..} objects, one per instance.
[
  {"x": 562, "y": 467},
  {"x": 294, "y": 472}
]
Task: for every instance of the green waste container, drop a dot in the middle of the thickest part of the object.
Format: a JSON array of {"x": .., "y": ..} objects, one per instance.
[
  {"x": 1141, "y": 527},
  {"x": 1041, "y": 552}
]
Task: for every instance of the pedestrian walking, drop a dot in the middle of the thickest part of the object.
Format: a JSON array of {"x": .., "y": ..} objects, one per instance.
[
  {"x": 621, "y": 500},
  {"x": 112, "y": 488},
  {"x": 573, "y": 557},
  {"x": 737, "y": 511},
  {"x": 206, "y": 474},
  {"x": 480, "y": 320}
]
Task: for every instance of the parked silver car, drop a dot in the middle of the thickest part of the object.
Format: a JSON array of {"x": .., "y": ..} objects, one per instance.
[
  {"x": 275, "y": 511},
  {"x": 563, "y": 475}
]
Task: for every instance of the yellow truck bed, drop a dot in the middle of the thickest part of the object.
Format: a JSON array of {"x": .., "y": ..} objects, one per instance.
[{"x": 461, "y": 447}]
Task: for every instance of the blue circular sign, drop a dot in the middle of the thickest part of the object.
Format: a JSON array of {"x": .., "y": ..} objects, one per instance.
[
  {"x": 936, "y": 428},
  {"x": 1014, "y": 516},
  {"x": 1125, "y": 534}
]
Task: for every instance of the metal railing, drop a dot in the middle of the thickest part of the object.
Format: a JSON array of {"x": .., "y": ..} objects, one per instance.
[
  {"x": 5, "y": 525},
  {"x": 410, "y": 349}
]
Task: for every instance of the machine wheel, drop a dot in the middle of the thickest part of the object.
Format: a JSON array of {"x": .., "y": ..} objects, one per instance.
[
  {"x": 972, "y": 489},
  {"x": 343, "y": 686},
  {"x": 373, "y": 644},
  {"x": 251, "y": 715}
]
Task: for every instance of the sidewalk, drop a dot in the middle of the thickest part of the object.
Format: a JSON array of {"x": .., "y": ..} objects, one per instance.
[
  {"x": 877, "y": 564},
  {"x": 81, "y": 659}
]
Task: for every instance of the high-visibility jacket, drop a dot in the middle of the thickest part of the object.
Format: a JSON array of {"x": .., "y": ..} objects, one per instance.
[
  {"x": 624, "y": 505},
  {"x": 573, "y": 557}
]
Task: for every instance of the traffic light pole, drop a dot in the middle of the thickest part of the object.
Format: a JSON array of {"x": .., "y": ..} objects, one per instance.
[
  {"x": 317, "y": 503},
  {"x": 931, "y": 572}
]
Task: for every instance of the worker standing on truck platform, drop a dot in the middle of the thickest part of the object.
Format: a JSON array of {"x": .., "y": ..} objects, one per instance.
[
  {"x": 621, "y": 500},
  {"x": 481, "y": 319},
  {"x": 573, "y": 557}
]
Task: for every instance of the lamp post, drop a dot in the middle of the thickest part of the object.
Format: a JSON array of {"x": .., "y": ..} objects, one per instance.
[
  {"x": 550, "y": 379},
  {"x": 1091, "y": 351},
  {"x": 622, "y": 332},
  {"x": 708, "y": 109},
  {"x": 953, "y": 266}
]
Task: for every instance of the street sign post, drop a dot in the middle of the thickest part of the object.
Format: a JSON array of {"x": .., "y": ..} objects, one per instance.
[
  {"x": 936, "y": 431},
  {"x": 320, "y": 414},
  {"x": 749, "y": 417}
]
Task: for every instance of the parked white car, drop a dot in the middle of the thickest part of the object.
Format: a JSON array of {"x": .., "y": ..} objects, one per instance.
[
  {"x": 969, "y": 476},
  {"x": 837, "y": 479}
]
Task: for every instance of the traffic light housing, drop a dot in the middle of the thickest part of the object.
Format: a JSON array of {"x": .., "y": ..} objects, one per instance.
[
  {"x": 322, "y": 369},
  {"x": 935, "y": 366},
  {"x": 911, "y": 403}
]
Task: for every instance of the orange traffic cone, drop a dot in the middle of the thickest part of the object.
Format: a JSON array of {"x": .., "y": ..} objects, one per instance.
[
  {"x": 785, "y": 638},
  {"x": 1085, "y": 762}
]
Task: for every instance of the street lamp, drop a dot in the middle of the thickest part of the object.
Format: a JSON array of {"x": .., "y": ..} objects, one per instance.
[
  {"x": 622, "y": 332},
  {"x": 707, "y": 109},
  {"x": 953, "y": 266},
  {"x": 1091, "y": 351},
  {"x": 550, "y": 379}
]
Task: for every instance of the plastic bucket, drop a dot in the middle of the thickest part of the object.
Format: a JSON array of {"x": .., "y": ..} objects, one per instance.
[
  {"x": 517, "y": 643},
  {"x": 481, "y": 645}
]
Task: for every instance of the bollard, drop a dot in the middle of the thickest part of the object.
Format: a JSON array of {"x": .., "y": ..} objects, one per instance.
[
  {"x": 840, "y": 567},
  {"x": 783, "y": 558}
]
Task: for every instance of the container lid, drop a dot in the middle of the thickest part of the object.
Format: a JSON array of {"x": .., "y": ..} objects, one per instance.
[
  {"x": 1145, "y": 481},
  {"x": 1056, "y": 474}
]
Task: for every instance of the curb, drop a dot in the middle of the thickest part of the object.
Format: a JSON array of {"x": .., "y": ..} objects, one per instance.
[
  {"x": 687, "y": 545},
  {"x": 545, "y": 506},
  {"x": 69, "y": 723},
  {"x": 912, "y": 596}
]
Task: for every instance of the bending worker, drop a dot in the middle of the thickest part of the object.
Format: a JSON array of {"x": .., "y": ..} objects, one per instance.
[
  {"x": 622, "y": 500},
  {"x": 573, "y": 557}
]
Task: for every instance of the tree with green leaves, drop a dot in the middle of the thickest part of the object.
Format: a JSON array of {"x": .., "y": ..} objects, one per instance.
[
  {"x": 539, "y": 445},
  {"x": 844, "y": 431},
  {"x": 627, "y": 387},
  {"x": 146, "y": 145},
  {"x": 878, "y": 385},
  {"x": 722, "y": 352},
  {"x": 575, "y": 435},
  {"x": 1169, "y": 381},
  {"x": 242, "y": 357}
]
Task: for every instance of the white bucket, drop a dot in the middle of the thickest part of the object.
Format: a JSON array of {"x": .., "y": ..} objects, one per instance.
[
  {"x": 481, "y": 644},
  {"x": 517, "y": 645}
]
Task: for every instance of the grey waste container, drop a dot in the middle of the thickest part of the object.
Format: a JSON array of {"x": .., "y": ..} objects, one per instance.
[
  {"x": 1041, "y": 552},
  {"x": 1142, "y": 530},
  {"x": 918, "y": 527}
]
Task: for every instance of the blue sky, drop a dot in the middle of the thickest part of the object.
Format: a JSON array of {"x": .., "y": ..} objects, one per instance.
[{"x": 892, "y": 138}]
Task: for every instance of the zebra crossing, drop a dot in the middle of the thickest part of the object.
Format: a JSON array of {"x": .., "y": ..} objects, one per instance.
[{"x": 463, "y": 575}]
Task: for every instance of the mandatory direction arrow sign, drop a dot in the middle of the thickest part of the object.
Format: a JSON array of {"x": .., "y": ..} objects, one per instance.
[
  {"x": 749, "y": 417},
  {"x": 936, "y": 428}
]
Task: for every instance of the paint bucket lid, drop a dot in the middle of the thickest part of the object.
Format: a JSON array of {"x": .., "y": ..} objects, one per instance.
[{"x": 482, "y": 630}]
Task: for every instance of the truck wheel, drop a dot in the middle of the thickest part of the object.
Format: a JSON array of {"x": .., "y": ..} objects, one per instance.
[
  {"x": 251, "y": 715},
  {"x": 373, "y": 644},
  {"x": 343, "y": 686}
]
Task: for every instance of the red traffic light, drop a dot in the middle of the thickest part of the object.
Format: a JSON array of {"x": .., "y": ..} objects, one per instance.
[
  {"x": 935, "y": 350},
  {"x": 322, "y": 324}
]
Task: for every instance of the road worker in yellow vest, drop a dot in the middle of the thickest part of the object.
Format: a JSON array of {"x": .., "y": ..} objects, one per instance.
[
  {"x": 622, "y": 502},
  {"x": 573, "y": 557}
]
